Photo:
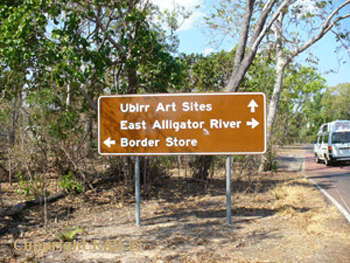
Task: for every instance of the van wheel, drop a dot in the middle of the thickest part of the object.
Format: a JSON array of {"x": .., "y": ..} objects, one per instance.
[
  {"x": 317, "y": 159},
  {"x": 327, "y": 162}
]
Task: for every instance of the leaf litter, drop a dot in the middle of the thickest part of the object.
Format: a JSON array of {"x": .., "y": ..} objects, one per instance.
[{"x": 276, "y": 217}]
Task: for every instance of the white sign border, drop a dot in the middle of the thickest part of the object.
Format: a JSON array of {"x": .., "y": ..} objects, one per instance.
[{"x": 183, "y": 94}]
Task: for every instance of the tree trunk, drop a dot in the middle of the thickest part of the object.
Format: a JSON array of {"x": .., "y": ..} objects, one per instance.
[
  {"x": 282, "y": 62},
  {"x": 133, "y": 81},
  {"x": 286, "y": 131},
  {"x": 202, "y": 167},
  {"x": 273, "y": 106},
  {"x": 68, "y": 96},
  {"x": 243, "y": 37},
  {"x": 17, "y": 209},
  {"x": 88, "y": 130},
  {"x": 238, "y": 74},
  {"x": 0, "y": 192},
  {"x": 244, "y": 59},
  {"x": 272, "y": 111}
]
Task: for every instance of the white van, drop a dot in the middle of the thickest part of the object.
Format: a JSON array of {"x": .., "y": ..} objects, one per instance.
[{"x": 333, "y": 142}]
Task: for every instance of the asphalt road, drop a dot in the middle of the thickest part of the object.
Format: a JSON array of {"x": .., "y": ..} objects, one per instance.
[{"x": 335, "y": 180}]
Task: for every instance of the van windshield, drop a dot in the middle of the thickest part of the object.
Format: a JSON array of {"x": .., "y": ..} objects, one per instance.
[{"x": 341, "y": 137}]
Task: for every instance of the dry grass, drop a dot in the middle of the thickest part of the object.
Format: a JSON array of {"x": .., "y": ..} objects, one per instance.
[
  {"x": 277, "y": 217},
  {"x": 304, "y": 206},
  {"x": 295, "y": 193}
]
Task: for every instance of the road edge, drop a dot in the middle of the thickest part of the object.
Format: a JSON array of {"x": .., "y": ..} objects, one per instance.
[{"x": 324, "y": 192}]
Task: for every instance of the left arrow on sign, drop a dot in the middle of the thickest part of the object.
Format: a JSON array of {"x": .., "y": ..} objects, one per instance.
[{"x": 109, "y": 142}]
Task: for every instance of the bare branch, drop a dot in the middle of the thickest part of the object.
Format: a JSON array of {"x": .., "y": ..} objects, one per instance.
[
  {"x": 325, "y": 29},
  {"x": 104, "y": 29},
  {"x": 88, "y": 98},
  {"x": 244, "y": 32},
  {"x": 254, "y": 45},
  {"x": 239, "y": 72},
  {"x": 335, "y": 12}
]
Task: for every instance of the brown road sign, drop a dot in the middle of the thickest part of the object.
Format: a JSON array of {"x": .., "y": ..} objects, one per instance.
[{"x": 182, "y": 123}]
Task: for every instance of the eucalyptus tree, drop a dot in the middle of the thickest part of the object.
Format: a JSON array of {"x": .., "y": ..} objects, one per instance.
[
  {"x": 60, "y": 55},
  {"x": 328, "y": 105},
  {"x": 87, "y": 46},
  {"x": 288, "y": 27},
  {"x": 251, "y": 22},
  {"x": 210, "y": 73},
  {"x": 296, "y": 30},
  {"x": 247, "y": 22},
  {"x": 335, "y": 103},
  {"x": 300, "y": 87}
]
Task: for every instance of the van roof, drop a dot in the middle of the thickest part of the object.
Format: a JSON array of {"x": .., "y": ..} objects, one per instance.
[{"x": 334, "y": 126}]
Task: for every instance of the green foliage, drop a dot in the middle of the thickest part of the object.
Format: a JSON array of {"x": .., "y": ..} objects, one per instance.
[
  {"x": 238, "y": 158},
  {"x": 49, "y": 109},
  {"x": 212, "y": 72},
  {"x": 65, "y": 124},
  {"x": 58, "y": 57},
  {"x": 167, "y": 161},
  {"x": 53, "y": 43},
  {"x": 68, "y": 235},
  {"x": 335, "y": 103},
  {"x": 302, "y": 86},
  {"x": 30, "y": 188},
  {"x": 209, "y": 73},
  {"x": 329, "y": 105},
  {"x": 26, "y": 189},
  {"x": 69, "y": 183}
]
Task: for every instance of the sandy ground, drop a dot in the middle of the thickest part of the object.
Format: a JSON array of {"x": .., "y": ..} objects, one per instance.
[{"x": 276, "y": 217}]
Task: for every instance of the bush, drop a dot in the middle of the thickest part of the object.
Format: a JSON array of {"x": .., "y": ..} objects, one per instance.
[{"x": 69, "y": 183}]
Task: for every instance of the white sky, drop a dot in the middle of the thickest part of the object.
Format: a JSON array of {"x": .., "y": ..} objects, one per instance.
[{"x": 189, "y": 5}]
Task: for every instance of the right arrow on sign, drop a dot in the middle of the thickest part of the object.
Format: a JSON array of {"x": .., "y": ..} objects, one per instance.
[{"x": 252, "y": 123}]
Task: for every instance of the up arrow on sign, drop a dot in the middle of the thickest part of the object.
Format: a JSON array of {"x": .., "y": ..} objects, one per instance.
[{"x": 252, "y": 105}]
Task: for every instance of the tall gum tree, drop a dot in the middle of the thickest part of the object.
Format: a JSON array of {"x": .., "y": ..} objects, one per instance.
[
  {"x": 254, "y": 22},
  {"x": 294, "y": 26},
  {"x": 87, "y": 46},
  {"x": 300, "y": 86},
  {"x": 297, "y": 28},
  {"x": 78, "y": 50}
]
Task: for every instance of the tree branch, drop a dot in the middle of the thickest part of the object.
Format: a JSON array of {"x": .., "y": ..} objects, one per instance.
[
  {"x": 255, "y": 44},
  {"x": 260, "y": 32},
  {"x": 17, "y": 209},
  {"x": 324, "y": 30},
  {"x": 242, "y": 42},
  {"x": 87, "y": 97},
  {"x": 113, "y": 42}
]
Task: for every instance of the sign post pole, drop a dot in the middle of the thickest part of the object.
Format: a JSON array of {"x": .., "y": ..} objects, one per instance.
[
  {"x": 137, "y": 189},
  {"x": 228, "y": 189}
]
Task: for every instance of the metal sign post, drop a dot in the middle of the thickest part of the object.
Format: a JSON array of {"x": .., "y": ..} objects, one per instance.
[
  {"x": 228, "y": 190},
  {"x": 137, "y": 189}
]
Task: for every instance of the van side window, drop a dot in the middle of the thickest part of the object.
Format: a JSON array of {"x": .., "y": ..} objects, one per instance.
[
  {"x": 318, "y": 139},
  {"x": 324, "y": 127},
  {"x": 325, "y": 139}
]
